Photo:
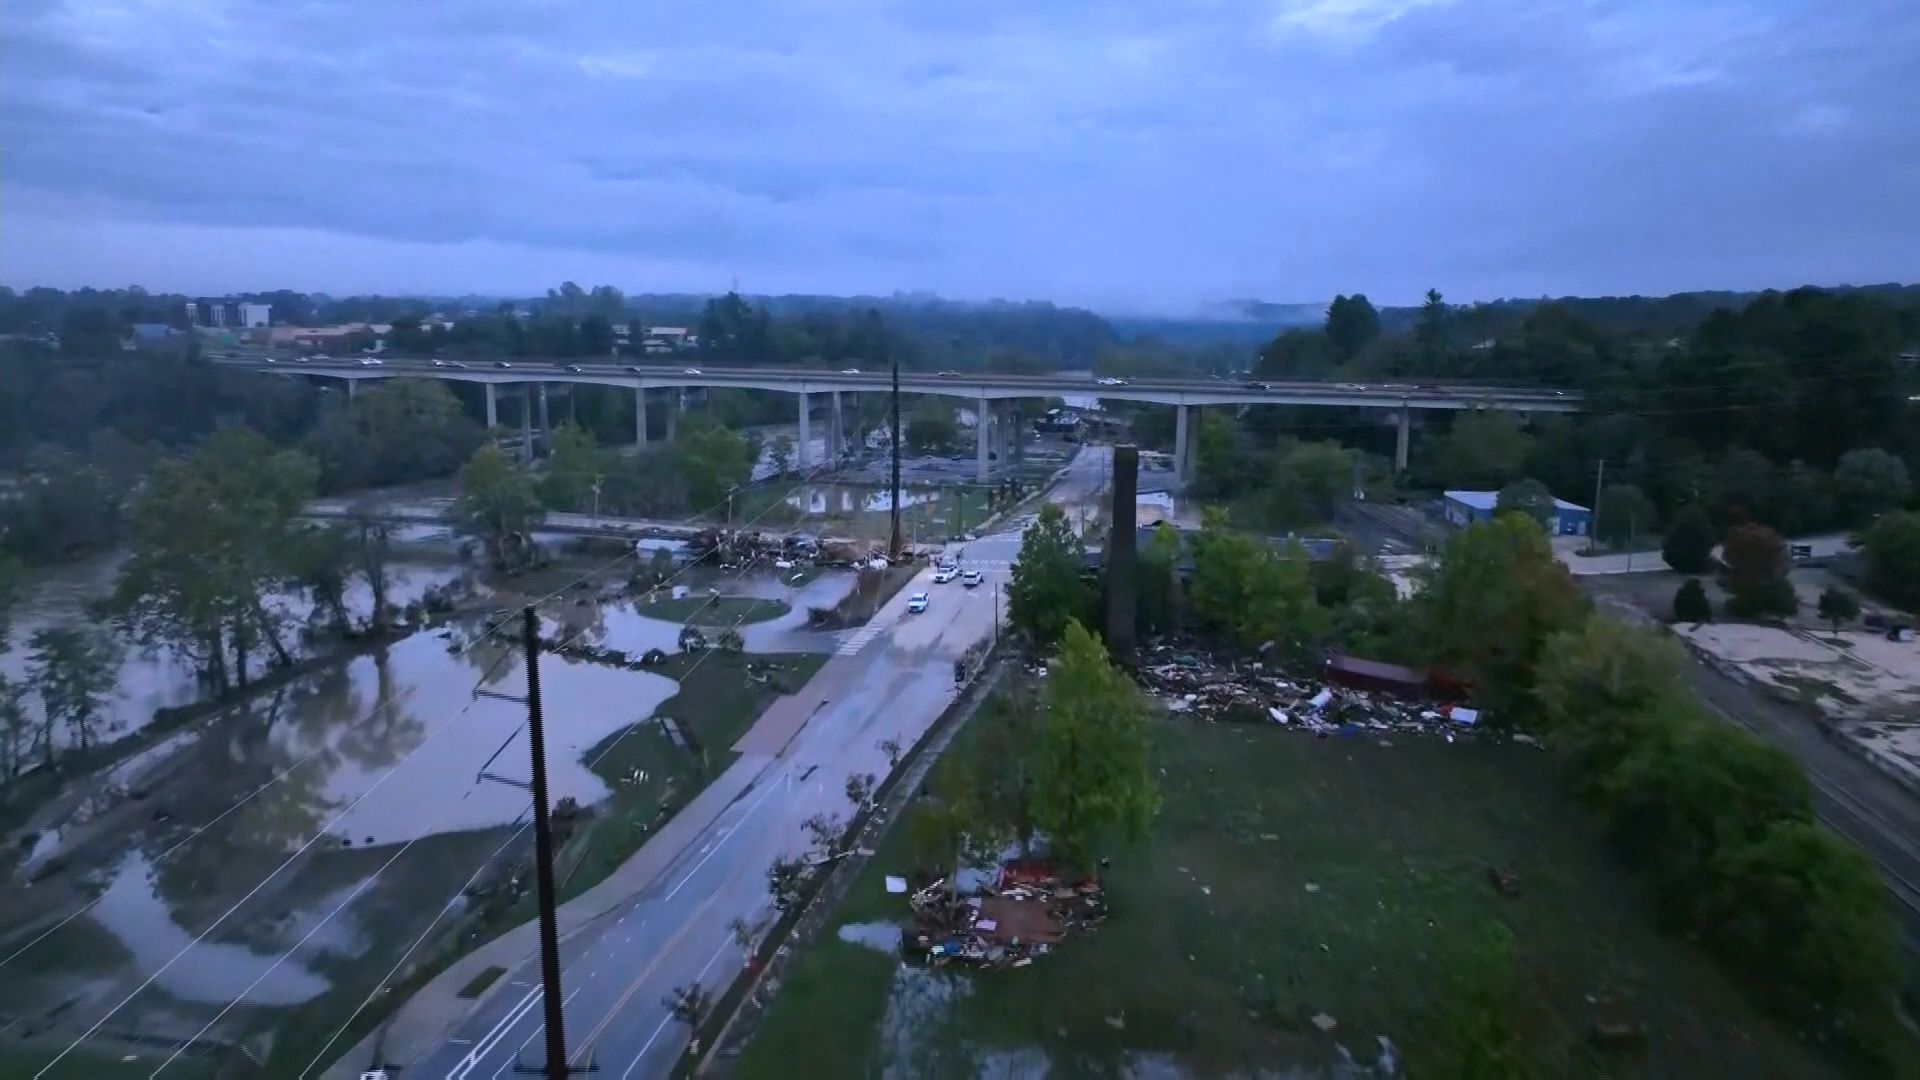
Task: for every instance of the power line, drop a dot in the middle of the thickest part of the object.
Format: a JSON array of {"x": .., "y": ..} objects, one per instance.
[{"x": 375, "y": 713}]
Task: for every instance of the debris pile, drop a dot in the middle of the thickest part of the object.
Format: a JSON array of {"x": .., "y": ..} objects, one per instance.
[
  {"x": 1023, "y": 915},
  {"x": 1254, "y": 692}
]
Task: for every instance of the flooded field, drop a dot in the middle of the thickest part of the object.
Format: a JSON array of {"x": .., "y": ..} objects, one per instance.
[
  {"x": 150, "y": 678},
  {"x": 301, "y": 841}
]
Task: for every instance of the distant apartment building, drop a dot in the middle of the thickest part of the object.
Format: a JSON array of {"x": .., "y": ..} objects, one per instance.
[{"x": 229, "y": 314}]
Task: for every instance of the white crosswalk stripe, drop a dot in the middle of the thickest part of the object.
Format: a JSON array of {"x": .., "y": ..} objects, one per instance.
[{"x": 857, "y": 640}]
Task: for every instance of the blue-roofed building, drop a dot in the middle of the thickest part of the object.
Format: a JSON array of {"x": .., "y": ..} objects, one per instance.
[{"x": 1463, "y": 508}]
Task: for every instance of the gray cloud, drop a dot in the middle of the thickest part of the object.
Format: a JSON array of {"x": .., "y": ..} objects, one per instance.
[{"x": 1127, "y": 154}]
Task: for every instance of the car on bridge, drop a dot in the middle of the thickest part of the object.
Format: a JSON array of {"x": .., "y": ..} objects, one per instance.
[
  {"x": 501, "y": 364},
  {"x": 1111, "y": 381}
]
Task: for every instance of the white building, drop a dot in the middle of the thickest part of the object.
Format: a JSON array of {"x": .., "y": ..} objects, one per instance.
[{"x": 252, "y": 315}]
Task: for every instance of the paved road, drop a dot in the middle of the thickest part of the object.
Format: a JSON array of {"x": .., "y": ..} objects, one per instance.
[{"x": 890, "y": 679}]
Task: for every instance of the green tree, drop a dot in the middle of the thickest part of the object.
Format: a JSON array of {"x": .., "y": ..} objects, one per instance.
[
  {"x": 1492, "y": 601},
  {"x": 1805, "y": 915},
  {"x": 1869, "y": 482},
  {"x": 1893, "y": 558},
  {"x": 498, "y": 503},
  {"x": 1624, "y": 514},
  {"x": 1311, "y": 481},
  {"x": 16, "y": 735},
  {"x": 1837, "y": 606},
  {"x": 323, "y": 560},
  {"x": 1528, "y": 497},
  {"x": 1297, "y": 353},
  {"x": 1483, "y": 450},
  {"x": 1249, "y": 594},
  {"x": 73, "y": 669},
  {"x": 1690, "y": 541},
  {"x": 1746, "y": 487},
  {"x": 1433, "y": 330},
  {"x": 1352, "y": 324},
  {"x": 1756, "y": 577},
  {"x": 931, "y": 428},
  {"x": 211, "y": 535},
  {"x": 780, "y": 454},
  {"x": 1095, "y": 781},
  {"x": 1222, "y": 468},
  {"x": 1046, "y": 591},
  {"x": 713, "y": 461},
  {"x": 1598, "y": 687},
  {"x": 1690, "y": 603},
  {"x": 1689, "y": 789},
  {"x": 396, "y": 431},
  {"x": 1156, "y": 582},
  {"x": 574, "y": 464}
]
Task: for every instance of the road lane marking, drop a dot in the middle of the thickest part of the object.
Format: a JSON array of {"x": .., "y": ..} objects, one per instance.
[
  {"x": 634, "y": 986},
  {"x": 724, "y": 946},
  {"x": 484, "y": 1045},
  {"x": 732, "y": 830},
  {"x": 522, "y": 1048}
]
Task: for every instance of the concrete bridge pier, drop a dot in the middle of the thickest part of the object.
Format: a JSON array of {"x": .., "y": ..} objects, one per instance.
[
  {"x": 353, "y": 385},
  {"x": 982, "y": 417},
  {"x": 546, "y": 428},
  {"x": 1400, "y": 443},
  {"x": 493, "y": 409},
  {"x": 804, "y": 452},
  {"x": 640, "y": 416},
  {"x": 675, "y": 406},
  {"x": 526, "y": 423},
  {"x": 836, "y": 432},
  {"x": 1180, "y": 443}
]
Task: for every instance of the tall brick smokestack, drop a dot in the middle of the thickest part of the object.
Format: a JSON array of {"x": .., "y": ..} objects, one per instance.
[{"x": 1120, "y": 554}]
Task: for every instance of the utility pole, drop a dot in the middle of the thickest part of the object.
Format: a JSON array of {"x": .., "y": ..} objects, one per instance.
[
  {"x": 543, "y": 858},
  {"x": 893, "y": 537}
]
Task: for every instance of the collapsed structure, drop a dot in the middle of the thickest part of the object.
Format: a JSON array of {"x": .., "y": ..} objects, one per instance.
[
  {"x": 1024, "y": 914},
  {"x": 1350, "y": 695}
]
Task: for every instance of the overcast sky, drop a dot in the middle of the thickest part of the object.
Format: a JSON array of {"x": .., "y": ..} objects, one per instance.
[{"x": 1125, "y": 154}]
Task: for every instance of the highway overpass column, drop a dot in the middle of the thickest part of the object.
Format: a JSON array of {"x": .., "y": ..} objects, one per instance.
[
  {"x": 493, "y": 410},
  {"x": 526, "y": 423},
  {"x": 546, "y": 427},
  {"x": 836, "y": 433},
  {"x": 640, "y": 416},
  {"x": 353, "y": 385},
  {"x": 805, "y": 451},
  {"x": 675, "y": 407},
  {"x": 1180, "y": 442},
  {"x": 982, "y": 416},
  {"x": 1400, "y": 444}
]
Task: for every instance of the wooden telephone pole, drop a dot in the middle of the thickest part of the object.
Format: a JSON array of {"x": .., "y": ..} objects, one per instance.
[{"x": 543, "y": 858}]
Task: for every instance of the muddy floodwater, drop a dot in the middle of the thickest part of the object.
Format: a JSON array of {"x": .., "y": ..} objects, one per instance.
[
  {"x": 343, "y": 811},
  {"x": 150, "y": 678}
]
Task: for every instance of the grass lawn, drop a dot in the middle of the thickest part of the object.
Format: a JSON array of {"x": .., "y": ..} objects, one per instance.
[
  {"x": 651, "y": 777},
  {"x": 1218, "y": 955},
  {"x": 704, "y": 610}
]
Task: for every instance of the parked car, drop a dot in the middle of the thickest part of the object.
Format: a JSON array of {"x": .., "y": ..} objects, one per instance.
[
  {"x": 944, "y": 574},
  {"x": 917, "y": 603},
  {"x": 972, "y": 579}
]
